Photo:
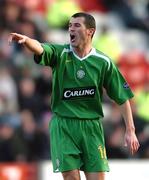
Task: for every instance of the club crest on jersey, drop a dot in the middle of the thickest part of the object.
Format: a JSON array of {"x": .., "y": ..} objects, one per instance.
[
  {"x": 80, "y": 74},
  {"x": 73, "y": 93}
]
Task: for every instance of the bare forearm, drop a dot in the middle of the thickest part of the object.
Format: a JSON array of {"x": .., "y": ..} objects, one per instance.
[
  {"x": 33, "y": 45},
  {"x": 130, "y": 138},
  {"x": 127, "y": 115}
]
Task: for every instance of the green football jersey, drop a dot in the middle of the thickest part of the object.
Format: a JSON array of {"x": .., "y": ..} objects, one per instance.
[{"x": 77, "y": 84}]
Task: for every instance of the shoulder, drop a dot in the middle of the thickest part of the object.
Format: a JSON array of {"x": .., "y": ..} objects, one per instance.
[
  {"x": 104, "y": 59},
  {"x": 59, "y": 48}
]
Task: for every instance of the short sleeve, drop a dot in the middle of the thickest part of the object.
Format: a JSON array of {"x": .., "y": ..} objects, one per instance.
[
  {"x": 116, "y": 86},
  {"x": 48, "y": 57}
]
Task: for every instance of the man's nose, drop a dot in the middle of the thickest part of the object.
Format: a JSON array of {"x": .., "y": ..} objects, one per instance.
[{"x": 71, "y": 28}]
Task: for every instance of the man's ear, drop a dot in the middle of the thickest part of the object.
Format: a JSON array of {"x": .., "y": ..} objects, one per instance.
[{"x": 91, "y": 31}]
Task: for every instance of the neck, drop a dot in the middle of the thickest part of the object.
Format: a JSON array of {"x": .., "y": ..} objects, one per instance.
[{"x": 82, "y": 51}]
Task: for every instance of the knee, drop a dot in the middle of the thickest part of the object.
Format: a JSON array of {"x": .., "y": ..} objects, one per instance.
[{"x": 71, "y": 176}]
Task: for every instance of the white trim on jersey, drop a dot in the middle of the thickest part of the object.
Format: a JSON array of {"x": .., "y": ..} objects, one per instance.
[
  {"x": 92, "y": 52},
  {"x": 102, "y": 56},
  {"x": 65, "y": 50},
  {"x": 81, "y": 59}
]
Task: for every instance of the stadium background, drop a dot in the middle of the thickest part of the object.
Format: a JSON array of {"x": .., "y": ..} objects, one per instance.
[{"x": 25, "y": 88}]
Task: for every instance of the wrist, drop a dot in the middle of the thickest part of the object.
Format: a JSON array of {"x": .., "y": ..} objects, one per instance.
[
  {"x": 130, "y": 129},
  {"x": 26, "y": 39}
]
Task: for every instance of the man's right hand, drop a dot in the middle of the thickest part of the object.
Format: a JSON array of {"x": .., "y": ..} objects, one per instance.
[
  {"x": 32, "y": 44},
  {"x": 17, "y": 37}
]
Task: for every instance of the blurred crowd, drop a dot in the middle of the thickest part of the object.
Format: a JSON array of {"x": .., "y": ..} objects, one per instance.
[{"x": 25, "y": 88}]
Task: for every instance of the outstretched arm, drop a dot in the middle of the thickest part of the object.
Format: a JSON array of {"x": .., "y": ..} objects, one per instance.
[
  {"x": 131, "y": 140},
  {"x": 32, "y": 44}
]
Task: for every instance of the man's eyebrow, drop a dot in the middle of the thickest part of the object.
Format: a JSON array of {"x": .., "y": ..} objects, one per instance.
[{"x": 75, "y": 23}]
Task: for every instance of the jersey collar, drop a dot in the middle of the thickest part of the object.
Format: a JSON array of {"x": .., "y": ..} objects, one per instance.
[{"x": 92, "y": 52}]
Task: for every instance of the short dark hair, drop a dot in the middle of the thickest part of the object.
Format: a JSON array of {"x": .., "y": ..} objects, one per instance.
[{"x": 89, "y": 19}]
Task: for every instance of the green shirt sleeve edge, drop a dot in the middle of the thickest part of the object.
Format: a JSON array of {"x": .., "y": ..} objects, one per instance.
[{"x": 124, "y": 100}]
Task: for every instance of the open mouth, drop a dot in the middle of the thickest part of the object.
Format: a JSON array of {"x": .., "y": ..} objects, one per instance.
[{"x": 72, "y": 37}]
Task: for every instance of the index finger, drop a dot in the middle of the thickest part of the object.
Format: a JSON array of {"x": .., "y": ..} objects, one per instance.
[{"x": 14, "y": 36}]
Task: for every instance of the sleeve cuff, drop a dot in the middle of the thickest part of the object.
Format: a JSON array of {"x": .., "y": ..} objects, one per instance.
[{"x": 38, "y": 58}]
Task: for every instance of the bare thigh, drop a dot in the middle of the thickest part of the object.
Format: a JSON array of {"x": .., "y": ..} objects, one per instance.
[
  {"x": 71, "y": 175},
  {"x": 95, "y": 176}
]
